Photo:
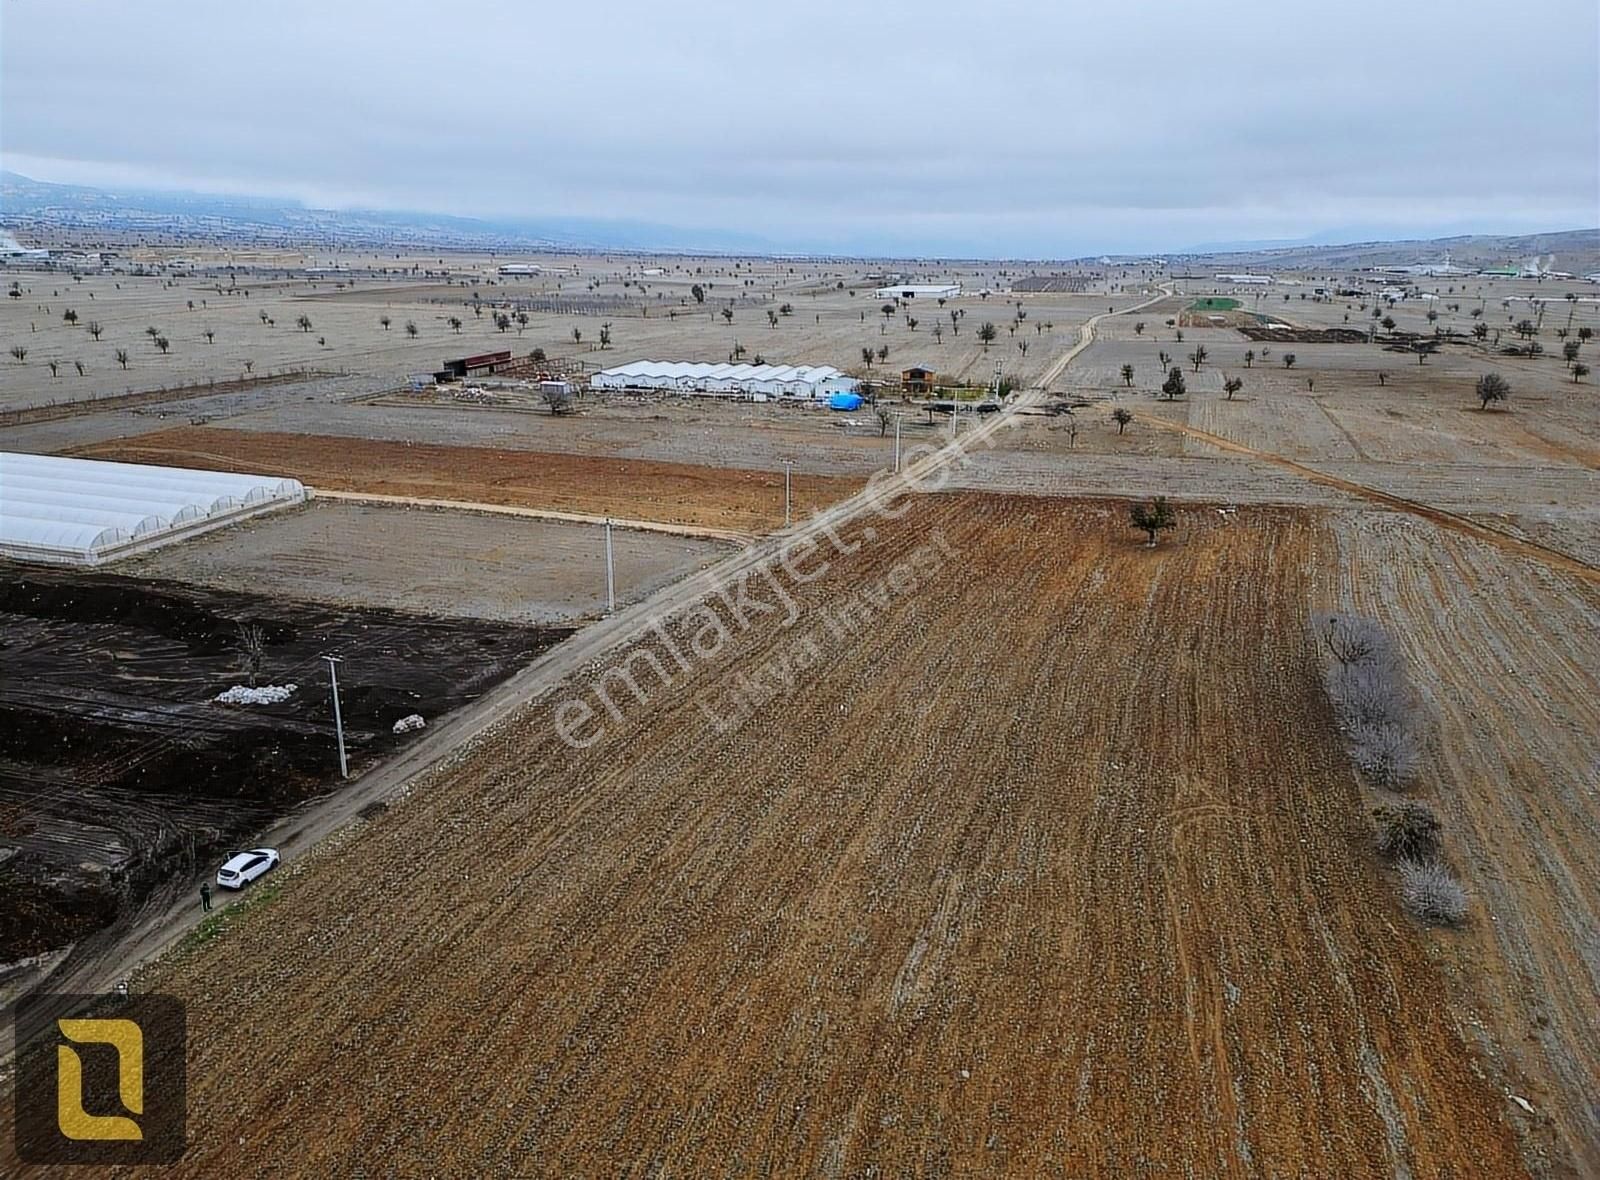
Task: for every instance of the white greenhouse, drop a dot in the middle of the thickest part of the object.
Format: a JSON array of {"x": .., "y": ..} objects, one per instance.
[
  {"x": 812, "y": 382},
  {"x": 85, "y": 512}
]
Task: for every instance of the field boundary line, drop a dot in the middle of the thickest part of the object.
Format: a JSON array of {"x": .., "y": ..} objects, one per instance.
[
  {"x": 642, "y": 526},
  {"x": 1443, "y": 517}
]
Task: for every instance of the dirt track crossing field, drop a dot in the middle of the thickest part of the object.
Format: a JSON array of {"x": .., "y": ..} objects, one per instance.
[{"x": 1056, "y": 868}]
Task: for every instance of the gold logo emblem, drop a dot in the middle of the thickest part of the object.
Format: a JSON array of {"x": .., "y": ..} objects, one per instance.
[{"x": 75, "y": 1122}]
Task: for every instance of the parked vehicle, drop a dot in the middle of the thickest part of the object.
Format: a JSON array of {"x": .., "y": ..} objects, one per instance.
[{"x": 244, "y": 867}]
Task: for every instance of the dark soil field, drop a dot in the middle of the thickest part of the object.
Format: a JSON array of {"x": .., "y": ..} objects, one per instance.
[{"x": 117, "y": 768}]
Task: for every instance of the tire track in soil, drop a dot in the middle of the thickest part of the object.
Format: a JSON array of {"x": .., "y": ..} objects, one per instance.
[{"x": 944, "y": 909}]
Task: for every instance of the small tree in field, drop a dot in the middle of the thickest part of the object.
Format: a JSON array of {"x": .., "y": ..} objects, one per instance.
[
  {"x": 1232, "y": 386},
  {"x": 1492, "y": 388},
  {"x": 1408, "y": 831},
  {"x": 95, "y": 329},
  {"x": 1174, "y": 386},
  {"x": 411, "y": 329},
  {"x": 455, "y": 324},
  {"x": 987, "y": 333},
  {"x": 1249, "y": 357},
  {"x": 69, "y": 316},
  {"x": 163, "y": 344},
  {"x": 727, "y": 315},
  {"x": 304, "y": 323},
  {"x": 1152, "y": 518},
  {"x": 122, "y": 357},
  {"x": 1121, "y": 416},
  {"x": 1198, "y": 356},
  {"x": 385, "y": 321},
  {"x": 20, "y": 352},
  {"x": 1127, "y": 376},
  {"x": 1579, "y": 370},
  {"x": 1288, "y": 360}
]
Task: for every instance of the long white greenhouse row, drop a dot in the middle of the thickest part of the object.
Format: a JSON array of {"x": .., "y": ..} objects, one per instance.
[
  {"x": 84, "y": 512},
  {"x": 803, "y": 381}
]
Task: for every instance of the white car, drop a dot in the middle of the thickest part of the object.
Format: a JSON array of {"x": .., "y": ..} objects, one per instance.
[{"x": 244, "y": 867}]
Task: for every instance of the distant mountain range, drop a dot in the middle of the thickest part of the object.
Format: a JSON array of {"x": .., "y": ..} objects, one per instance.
[
  {"x": 1576, "y": 251},
  {"x": 30, "y": 205},
  {"x": 26, "y": 202}
]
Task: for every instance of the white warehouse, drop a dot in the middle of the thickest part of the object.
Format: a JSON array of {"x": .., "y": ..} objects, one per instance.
[
  {"x": 920, "y": 291},
  {"x": 812, "y": 382},
  {"x": 85, "y": 512}
]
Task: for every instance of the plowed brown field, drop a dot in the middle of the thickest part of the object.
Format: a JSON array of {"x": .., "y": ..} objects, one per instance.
[
  {"x": 1507, "y": 654},
  {"x": 642, "y": 489},
  {"x": 1056, "y": 868}
]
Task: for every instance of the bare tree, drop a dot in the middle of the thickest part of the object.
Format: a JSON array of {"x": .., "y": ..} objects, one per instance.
[
  {"x": 1198, "y": 356},
  {"x": 20, "y": 352},
  {"x": 95, "y": 329},
  {"x": 1232, "y": 386},
  {"x": 163, "y": 344},
  {"x": 122, "y": 357},
  {"x": 411, "y": 329},
  {"x": 1121, "y": 416},
  {"x": 1408, "y": 830},
  {"x": 252, "y": 651},
  {"x": 1431, "y": 892},
  {"x": 455, "y": 324},
  {"x": 385, "y": 321}
]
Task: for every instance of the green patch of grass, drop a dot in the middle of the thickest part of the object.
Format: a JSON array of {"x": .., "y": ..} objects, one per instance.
[
  {"x": 1215, "y": 303},
  {"x": 220, "y": 921}
]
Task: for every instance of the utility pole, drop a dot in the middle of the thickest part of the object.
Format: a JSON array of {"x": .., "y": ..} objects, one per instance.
[
  {"x": 897, "y": 418},
  {"x": 611, "y": 576},
  {"x": 338, "y": 718},
  {"x": 788, "y": 469}
]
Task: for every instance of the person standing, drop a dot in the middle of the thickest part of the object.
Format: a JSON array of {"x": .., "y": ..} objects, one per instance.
[{"x": 205, "y": 897}]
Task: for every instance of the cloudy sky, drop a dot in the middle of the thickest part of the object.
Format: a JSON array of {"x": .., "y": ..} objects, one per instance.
[{"x": 978, "y": 128}]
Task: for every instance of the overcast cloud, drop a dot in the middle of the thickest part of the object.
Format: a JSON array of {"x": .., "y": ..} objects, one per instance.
[{"x": 930, "y": 127}]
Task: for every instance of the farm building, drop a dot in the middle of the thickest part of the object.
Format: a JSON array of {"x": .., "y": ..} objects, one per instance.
[
  {"x": 920, "y": 291},
  {"x": 85, "y": 512},
  {"x": 474, "y": 366},
  {"x": 513, "y": 269},
  {"x": 917, "y": 379},
  {"x": 801, "y": 381}
]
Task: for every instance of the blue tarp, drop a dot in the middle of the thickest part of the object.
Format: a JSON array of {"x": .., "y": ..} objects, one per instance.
[{"x": 845, "y": 401}]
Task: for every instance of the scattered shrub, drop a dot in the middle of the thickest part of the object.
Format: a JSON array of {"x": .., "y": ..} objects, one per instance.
[
  {"x": 1431, "y": 892},
  {"x": 1372, "y": 696},
  {"x": 1408, "y": 831}
]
